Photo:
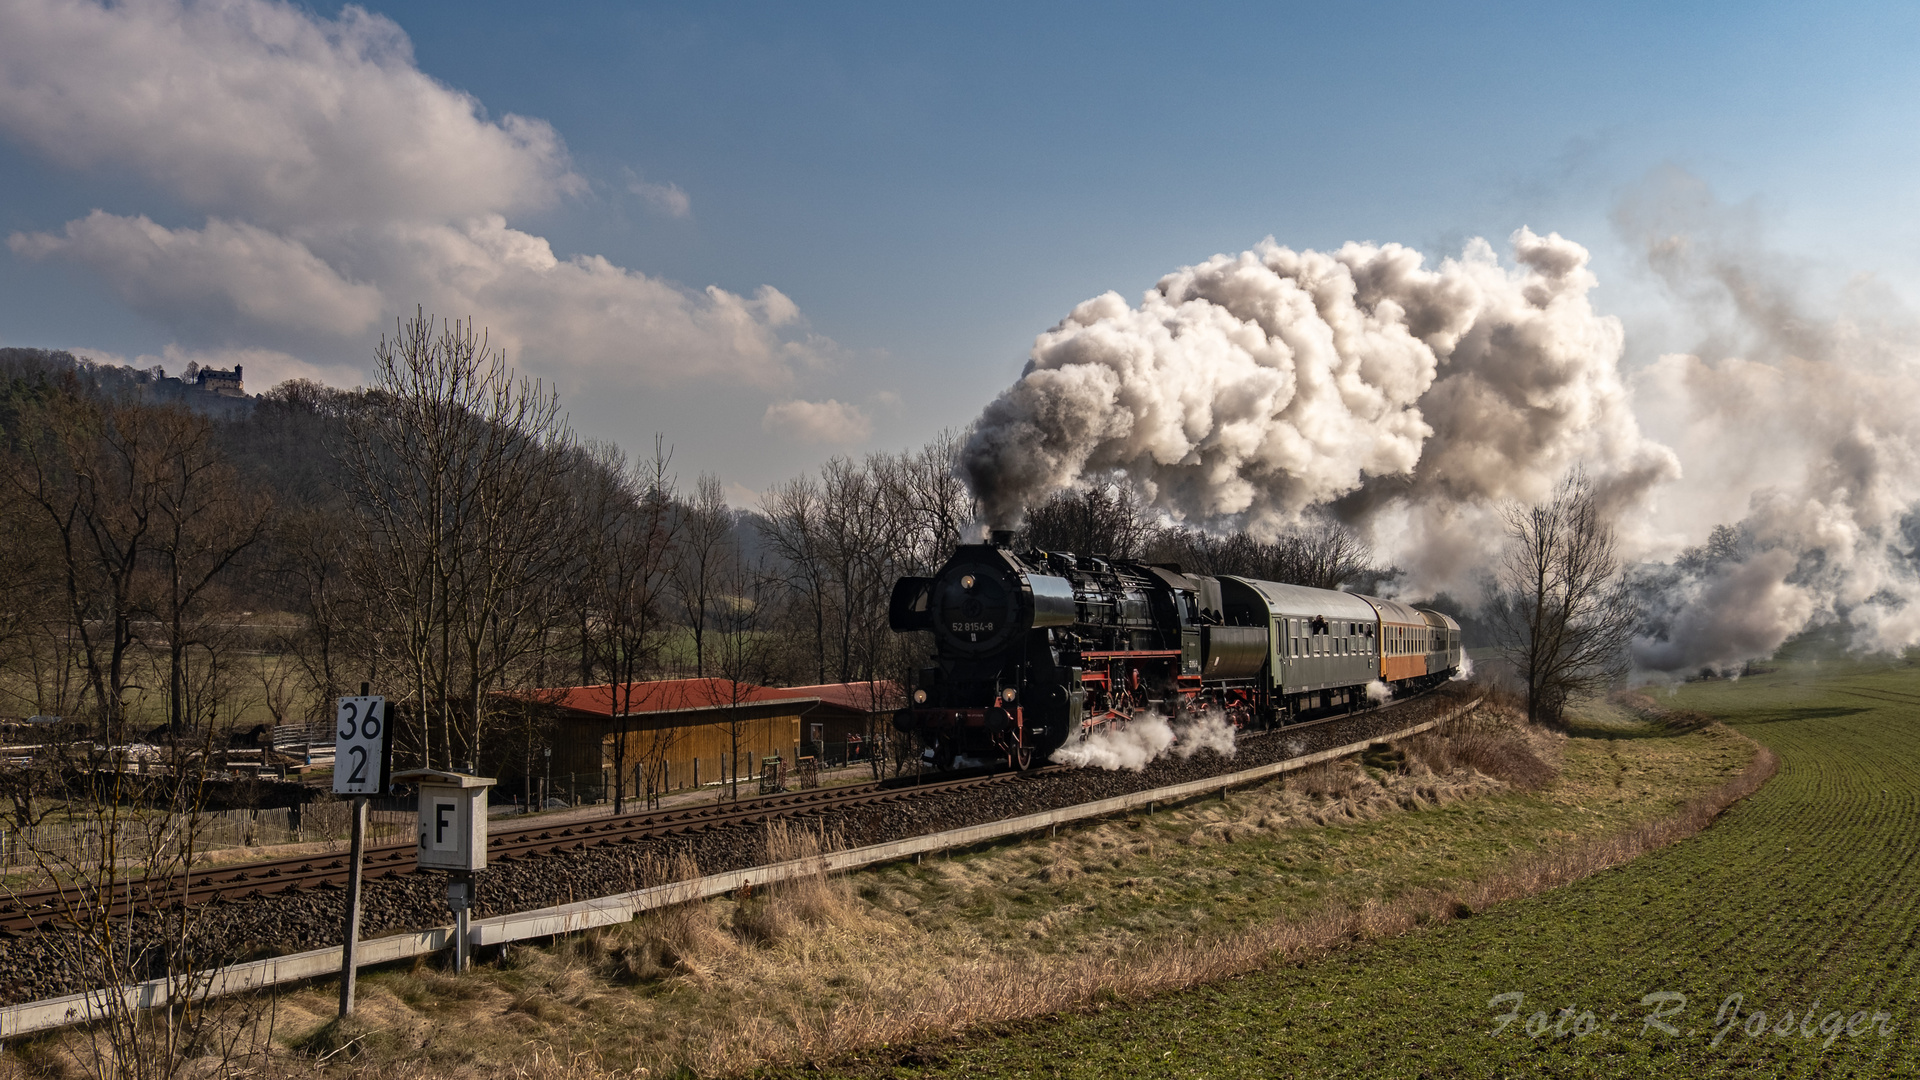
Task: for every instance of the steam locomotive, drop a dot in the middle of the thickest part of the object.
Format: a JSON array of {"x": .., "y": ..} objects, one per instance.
[{"x": 1034, "y": 648}]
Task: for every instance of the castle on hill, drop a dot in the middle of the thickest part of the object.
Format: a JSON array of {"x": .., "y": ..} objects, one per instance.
[{"x": 218, "y": 381}]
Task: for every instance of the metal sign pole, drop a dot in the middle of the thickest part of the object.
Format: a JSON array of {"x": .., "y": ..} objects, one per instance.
[
  {"x": 460, "y": 898},
  {"x": 361, "y": 762},
  {"x": 351, "y": 935}
]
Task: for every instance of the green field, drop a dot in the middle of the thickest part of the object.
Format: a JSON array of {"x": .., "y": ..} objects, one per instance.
[{"x": 1803, "y": 900}]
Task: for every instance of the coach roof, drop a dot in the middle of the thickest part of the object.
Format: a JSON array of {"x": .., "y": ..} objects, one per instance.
[{"x": 1286, "y": 601}]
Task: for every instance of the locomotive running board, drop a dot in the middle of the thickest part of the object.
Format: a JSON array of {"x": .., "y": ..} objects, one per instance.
[{"x": 28, "y": 1017}]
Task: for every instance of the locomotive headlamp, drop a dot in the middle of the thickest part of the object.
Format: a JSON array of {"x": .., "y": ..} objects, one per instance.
[
  {"x": 1007, "y": 694},
  {"x": 919, "y": 697},
  {"x": 966, "y": 581}
]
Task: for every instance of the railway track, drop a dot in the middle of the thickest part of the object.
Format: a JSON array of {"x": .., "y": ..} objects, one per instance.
[
  {"x": 50, "y": 908},
  {"x": 45, "y": 908}
]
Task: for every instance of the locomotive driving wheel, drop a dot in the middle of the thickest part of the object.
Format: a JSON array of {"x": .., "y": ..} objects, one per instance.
[{"x": 1023, "y": 758}]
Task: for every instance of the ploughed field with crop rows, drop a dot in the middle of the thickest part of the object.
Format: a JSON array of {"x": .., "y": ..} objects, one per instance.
[
  {"x": 1781, "y": 941},
  {"x": 40, "y": 965}
]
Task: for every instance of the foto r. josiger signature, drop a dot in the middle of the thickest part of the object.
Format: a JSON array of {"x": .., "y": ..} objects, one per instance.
[{"x": 1664, "y": 1011}]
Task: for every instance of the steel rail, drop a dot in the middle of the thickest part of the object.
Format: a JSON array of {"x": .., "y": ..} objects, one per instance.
[{"x": 48, "y": 908}]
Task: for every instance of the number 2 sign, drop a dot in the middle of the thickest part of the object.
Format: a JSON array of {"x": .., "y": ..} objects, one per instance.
[{"x": 359, "y": 746}]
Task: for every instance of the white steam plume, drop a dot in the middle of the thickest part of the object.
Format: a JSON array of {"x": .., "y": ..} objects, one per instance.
[
  {"x": 1249, "y": 389},
  {"x": 1147, "y": 737},
  {"x": 1796, "y": 420},
  {"x": 1413, "y": 402}
]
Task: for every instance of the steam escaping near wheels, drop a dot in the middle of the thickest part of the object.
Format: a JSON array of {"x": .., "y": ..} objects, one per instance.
[
  {"x": 1379, "y": 692},
  {"x": 1135, "y": 744}
]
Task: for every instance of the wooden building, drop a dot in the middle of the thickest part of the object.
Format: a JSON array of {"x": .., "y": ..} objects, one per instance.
[{"x": 684, "y": 732}]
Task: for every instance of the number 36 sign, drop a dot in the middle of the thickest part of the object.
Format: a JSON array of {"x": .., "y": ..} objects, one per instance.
[{"x": 360, "y": 746}]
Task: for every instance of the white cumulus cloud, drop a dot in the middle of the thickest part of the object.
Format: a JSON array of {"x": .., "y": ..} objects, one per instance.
[
  {"x": 827, "y": 421},
  {"x": 667, "y": 198},
  {"x": 343, "y": 186},
  {"x": 229, "y": 271}
]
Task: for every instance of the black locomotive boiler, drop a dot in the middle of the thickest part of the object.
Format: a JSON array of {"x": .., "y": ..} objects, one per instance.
[{"x": 1035, "y": 648}]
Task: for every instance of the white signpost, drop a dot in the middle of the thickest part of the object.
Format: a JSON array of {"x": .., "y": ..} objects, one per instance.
[
  {"x": 359, "y": 746},
  {"x": 360, "y": 764}
]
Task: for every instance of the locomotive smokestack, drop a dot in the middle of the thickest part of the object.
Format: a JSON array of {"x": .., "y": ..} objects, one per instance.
[{"x": 1001, "y": 538}]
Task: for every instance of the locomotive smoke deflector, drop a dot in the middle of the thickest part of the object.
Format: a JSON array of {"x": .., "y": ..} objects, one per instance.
[{"x": 1052, "y": 601}]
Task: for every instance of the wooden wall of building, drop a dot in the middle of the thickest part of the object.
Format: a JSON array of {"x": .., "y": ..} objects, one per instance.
[
  {"x": 708, "y": 740},
  {"x": 583, "y": 745}
]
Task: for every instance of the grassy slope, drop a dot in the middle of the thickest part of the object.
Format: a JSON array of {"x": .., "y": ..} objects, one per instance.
[
  {"x": 961, "y": 938},
  {"x": 1803, "y": 897}
]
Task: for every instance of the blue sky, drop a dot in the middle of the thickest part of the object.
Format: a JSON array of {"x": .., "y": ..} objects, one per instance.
[{"x": 929, "y": 186}]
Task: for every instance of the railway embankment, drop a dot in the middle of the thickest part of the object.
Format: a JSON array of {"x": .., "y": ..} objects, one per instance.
[
  {"x": 288, "y": 920},
  {"x": 1416, "y": 834}
]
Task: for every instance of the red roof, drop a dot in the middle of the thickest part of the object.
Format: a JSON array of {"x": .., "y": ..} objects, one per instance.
[
  {"x": 865, "y": 697},
  {"x": 682, "y": 695},
  {"x": 665, "y": 695}
]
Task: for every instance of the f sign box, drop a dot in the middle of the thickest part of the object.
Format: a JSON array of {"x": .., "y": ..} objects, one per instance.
[
  {"x": 446, "y": 830},
  {"x": 453, "y": 819}
]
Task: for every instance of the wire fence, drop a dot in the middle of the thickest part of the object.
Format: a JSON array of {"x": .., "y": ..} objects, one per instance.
[{"x": 143, "y": 840}]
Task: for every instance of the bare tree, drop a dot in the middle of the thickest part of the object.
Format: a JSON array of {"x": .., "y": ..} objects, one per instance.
[
  {"x": 1560, "y": 610},
  {"x": 336, "y": 643},
  {"x": 936, "y": 503},
  {"x": 457, "y": 470},
  {"x": 636, "y": 553},
  {"x": 857, "y": 542},
  {"x": 1104, "y": 519},
  {"x": 205, "y": 520},
  {"x": 94, "y": 472},
  {"x": 706, "y": 531},
  {"x": 38, "y": 642},
  {"x": 1320, "y": 555},
  {"x": 740, "y": 646},
  {"x": 793, "y": 529}
]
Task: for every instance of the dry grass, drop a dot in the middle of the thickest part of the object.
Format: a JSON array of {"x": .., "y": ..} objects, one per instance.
[
  {"x": 1643, "y": 706},
  {"x": 821, "y": 966},
  {"x": 1491, "y": 741}
]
